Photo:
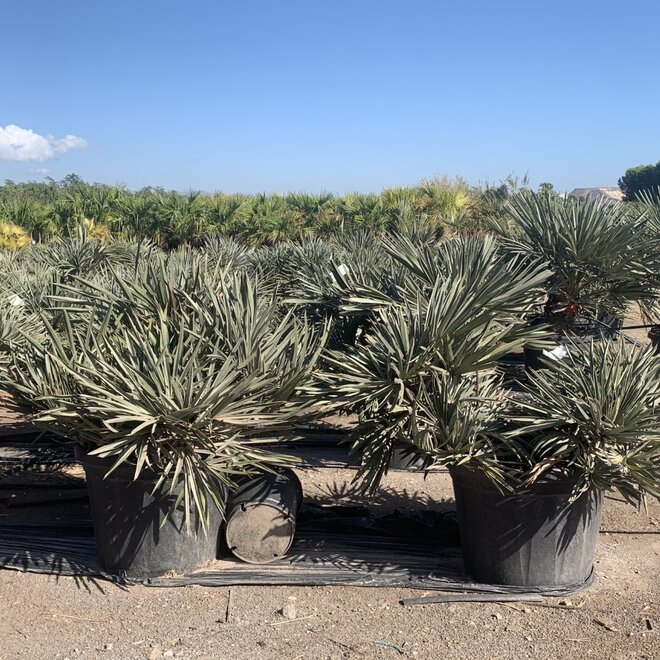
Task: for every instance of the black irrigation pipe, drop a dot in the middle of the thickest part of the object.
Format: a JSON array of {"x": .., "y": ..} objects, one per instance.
[{"x": 637, "y": 327}]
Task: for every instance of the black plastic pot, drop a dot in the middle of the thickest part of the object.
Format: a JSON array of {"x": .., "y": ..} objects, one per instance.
[
  {"x": 532, "y": 357},
  {"x": 536, "y": 538},
  {"x": 261, "y": 517},
  {"x": 131, "y": 538},
  {"x": 654, "y": 336}
]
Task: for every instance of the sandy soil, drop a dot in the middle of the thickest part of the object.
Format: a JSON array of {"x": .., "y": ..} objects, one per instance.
[{"x": 619, "y": 617}]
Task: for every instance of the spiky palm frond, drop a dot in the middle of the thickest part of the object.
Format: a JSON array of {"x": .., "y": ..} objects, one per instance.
[
  {"x": 325, "y": 279},
  {"x": 137, "y": 216},
  {"x": 227, "y": 252},
  {"x": 280, "y": 266},
  {"x": 365, "y": 211},
  {"x": 81, "y": 256},
  {"x": 16, "y": 322},
  {"x": 29, "y": 278},
  {"x": 469, "y": 277},
  {"x": 649, "y": 206},
  {"x": 222, "y": 213}
]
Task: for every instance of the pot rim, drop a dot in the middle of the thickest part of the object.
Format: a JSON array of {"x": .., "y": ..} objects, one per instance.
[{"x": 550, "y": 484}]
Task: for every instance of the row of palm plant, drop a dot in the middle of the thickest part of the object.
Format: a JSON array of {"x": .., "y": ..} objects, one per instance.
[
  {"x": 528, "y": 470},
  {"x": 170, "y": 218},
  {"x": 190, "y": 365}
]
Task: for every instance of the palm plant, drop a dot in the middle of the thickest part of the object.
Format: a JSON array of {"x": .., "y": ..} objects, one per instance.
[
  {"x": 25, "y": 215},
  {"x": 601, "y": 256},
  {"x": 445, "y": 201},
  {"x": 594, "y": 415},
  {"x": 267, "y": 220},
  {"x": 429, "y": 361},
  {"x": 582, "y": 426},
  {"x": 26, "y": 278},
  {"x": 222, "y": 212},
  {"x": 181, "y": 219},
  {"x": 281, "y": 266},
  {"x": 16, "y": 322},
  {"x": 310, "y": 210},
  {"x": 137, "y": 216},
  {"x": 81, "y": 256},
  {"x": 321, "y": 278},
  {"x": 365, "y": 211},
  {"x": 649, "y": 206},
  {"x": 227, "y": 252},
  {"x": 97, "y": 204},
  {"x": 187, "y": 382}
]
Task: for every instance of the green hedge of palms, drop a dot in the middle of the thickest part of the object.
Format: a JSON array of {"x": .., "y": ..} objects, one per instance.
[{"x": 48, "y": 210}]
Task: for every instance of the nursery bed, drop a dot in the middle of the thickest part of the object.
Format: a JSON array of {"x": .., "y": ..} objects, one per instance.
[
  {"x": 334, "y": 546},
  {"x": 45, "y": 528}
]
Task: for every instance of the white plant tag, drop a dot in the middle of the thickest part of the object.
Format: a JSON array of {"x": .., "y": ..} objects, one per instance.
[{"x": 557, "y": 353}]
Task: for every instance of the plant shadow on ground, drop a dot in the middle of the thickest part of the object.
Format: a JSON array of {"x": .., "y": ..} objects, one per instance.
[
  {"x": 387, "y": 499},
  {"x": 397, "y": 535},
  {"x": 54, "y": 555},
  {"x": 42, "y": 533}
]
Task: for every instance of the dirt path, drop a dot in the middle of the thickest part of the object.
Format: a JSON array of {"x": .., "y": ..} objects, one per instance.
[{"x": 619, "y": 617}]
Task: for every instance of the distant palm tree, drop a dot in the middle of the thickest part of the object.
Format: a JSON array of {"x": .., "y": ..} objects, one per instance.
[{"x": 181, "y": 219}]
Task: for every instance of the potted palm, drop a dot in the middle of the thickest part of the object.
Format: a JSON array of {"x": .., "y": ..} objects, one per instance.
[
  {"x": 584, "y": 426},
  {"x": 528, "y": 470},
  {"x": 602, "y": 257},
  {"x": 170, "y": 384},
  {"x": 460, "y": 306}
]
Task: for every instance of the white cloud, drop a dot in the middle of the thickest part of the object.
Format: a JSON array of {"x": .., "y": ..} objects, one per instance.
[
  {"x": 42, "y": 171},
  {"x": 23, "y": 144}
]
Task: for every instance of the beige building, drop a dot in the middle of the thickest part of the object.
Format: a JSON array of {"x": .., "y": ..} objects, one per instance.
[{"x": 613, "y": 194}]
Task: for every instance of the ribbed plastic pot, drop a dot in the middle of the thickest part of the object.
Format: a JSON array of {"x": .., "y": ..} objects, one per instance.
[
  {"x": 261, "y": 517},
  {"x": 535, "y": 538},
  {"x": 131, "y": 539}
]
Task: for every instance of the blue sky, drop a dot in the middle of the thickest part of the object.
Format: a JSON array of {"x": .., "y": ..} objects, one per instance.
[{"x": 334, "y": 95}]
